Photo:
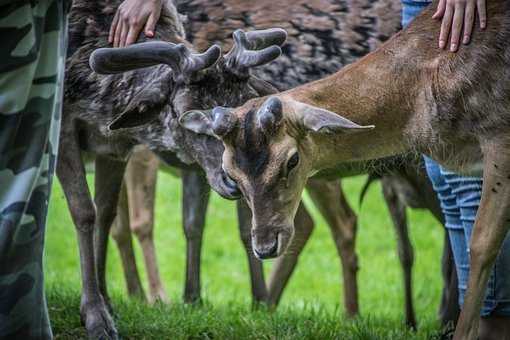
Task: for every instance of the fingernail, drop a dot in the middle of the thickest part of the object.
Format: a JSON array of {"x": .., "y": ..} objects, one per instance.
[
  {"x": 453, "y": 48},
  {"x": 150, "y": 34},
  {"x": 442, "y": 43},
  {"x": 483, "y": 24},
  {"x": 466, "y": 39}
]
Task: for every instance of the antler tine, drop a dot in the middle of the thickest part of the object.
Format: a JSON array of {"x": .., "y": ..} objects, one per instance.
[
  {"x": 254, "y": 48},
  {"x": 264, "y": 38},
  {"x": 178, "y": 57}
]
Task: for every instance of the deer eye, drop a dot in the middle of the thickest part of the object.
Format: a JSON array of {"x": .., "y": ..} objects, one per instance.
[{"x": 292, "y": 162}]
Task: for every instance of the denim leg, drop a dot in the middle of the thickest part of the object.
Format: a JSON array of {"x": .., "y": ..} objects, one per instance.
[
  {"x": 468, "y": 191},
  {"x": 453, "y": 222},
  {"x": 411, "y": 8}
]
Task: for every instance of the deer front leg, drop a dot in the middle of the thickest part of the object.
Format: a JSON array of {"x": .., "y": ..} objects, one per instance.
[
  {"x": 405, "y": 248},
  {"x": 194, "y": 207},
  {"x": 108, "y": 181},
  {"x": 285, "y": 264},
  {"x": 140, "y": 180},
  {"x": 71, "y": 173},
  {"x": 330, "y": 200},
  {"x": 258, "y": 283},
  {"x": 489, "y": 231},
  {"x": 121, "y": 233},
  {"x": 449, "y": 308}
]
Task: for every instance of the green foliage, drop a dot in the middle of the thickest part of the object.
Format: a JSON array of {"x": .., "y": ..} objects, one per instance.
[{"x": 312, "y": 305}]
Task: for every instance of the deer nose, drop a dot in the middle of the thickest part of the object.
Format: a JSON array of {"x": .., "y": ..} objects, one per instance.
[
  {"x": 267, "y": 249},
  {"x": 225, "y": 186},
  {"x": 234, "y": 191}
]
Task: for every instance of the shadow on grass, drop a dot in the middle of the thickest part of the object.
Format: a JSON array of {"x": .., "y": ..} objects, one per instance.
[{"x": 232, "y": 320}]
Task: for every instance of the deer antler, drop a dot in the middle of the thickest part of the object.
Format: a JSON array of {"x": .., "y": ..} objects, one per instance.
[
  {"x": 254, "y": 48},
  {"x": 183, "y": 62}
]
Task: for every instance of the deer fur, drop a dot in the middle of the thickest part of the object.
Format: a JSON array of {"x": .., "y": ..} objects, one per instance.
[{"x": 408, "y": 95}]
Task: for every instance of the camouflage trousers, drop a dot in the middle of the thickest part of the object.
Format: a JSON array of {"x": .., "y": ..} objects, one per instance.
[{"x": 32, "y": 55}]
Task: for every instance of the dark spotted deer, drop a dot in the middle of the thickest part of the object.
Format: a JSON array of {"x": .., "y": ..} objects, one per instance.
[
  {"x": 107, "y": 116},
  {"x": 408, "y": 95}
]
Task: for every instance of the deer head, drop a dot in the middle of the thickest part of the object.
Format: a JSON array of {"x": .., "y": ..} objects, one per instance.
[
  {"x": 197, "y": 82},
  {"x": 268, "y": 153}
]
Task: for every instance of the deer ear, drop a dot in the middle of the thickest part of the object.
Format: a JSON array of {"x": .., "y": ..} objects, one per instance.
[
  {"x": 198, "y": 121},
  {"x": 315, "y": 119}
]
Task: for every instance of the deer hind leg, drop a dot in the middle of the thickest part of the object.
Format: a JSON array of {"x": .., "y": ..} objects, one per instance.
[
  {"x": 405, "y": 248},
  {"x": 108, "y": 182},
  {"x": 141, "y": 179},
  {"x": 121, "y": 233},
  {"x": 491, "y": 226},
  {"x": 285, "y": 264},
  {"x": 194, "y": 207},
  {"x": 342, "y": 221},
  {"x": 71, "y": 173},
  {"x": 258, "y": 283}
]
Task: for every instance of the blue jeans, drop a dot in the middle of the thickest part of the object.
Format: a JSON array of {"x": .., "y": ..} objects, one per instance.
[
  {"x": 460, "y": 198},
  {"x": 411, "y": 8}
]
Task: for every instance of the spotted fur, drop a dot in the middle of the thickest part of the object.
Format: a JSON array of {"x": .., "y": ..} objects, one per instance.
[{"x": 323, "y": 35}]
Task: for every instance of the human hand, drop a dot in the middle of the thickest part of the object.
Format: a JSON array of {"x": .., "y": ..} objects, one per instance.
[
  {"x": 130, "y": 18},
  {"x": 457, "y": 15}
]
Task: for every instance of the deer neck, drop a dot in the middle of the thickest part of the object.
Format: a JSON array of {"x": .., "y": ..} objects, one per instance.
[{"x": 373, "y": 91}]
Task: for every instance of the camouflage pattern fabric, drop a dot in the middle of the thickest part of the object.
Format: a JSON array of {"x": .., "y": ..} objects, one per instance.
[{"x": 32, "y": 55}]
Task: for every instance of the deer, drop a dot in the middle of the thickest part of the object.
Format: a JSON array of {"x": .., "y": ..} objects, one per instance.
[
  {"x": 407, "y": 96},
  {"x": 298, "y": 64},
  {"x": 125, "y": 104}
]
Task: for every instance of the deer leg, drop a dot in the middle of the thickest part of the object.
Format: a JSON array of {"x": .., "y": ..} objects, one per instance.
[
  {"x": 489, "y": 231},
  {"x": 342, "y": 221},
  {"x": 449, "y": 308},
  {"x": 141, "y": 179},
  {"x": 108, "y": 181},
  {"x": 71, "y": 173},
  {"x": 258, "y": 283},
  {"x": 194, "y": 207},
  {"x": 405, "y": 248},
  {"x": 121, "y": 233},
  {"x": 285, "y": 264}
]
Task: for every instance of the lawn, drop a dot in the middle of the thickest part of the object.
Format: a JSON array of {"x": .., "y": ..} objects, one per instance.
[{"x": 311, "y": 307}]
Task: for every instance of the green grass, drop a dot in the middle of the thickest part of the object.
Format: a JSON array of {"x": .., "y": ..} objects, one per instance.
[{"x": 312, "y": 305}]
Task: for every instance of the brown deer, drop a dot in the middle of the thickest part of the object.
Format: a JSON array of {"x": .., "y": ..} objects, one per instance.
[{"x": 408, "y": 95}]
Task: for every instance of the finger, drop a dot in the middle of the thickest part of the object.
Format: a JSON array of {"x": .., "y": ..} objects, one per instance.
[
  {"x": 458, "y": 19},
  {"x": 118, "y": 31},
  {"x": 132, "y": 35},
  {"x": 469, "y": 20},
  {"x": 123, "y": 34},
  {"x": 115, "y": 21},
  {"x": 446, "y": 25},
  {"x": 151, "y": 25},
  {"x": 441, "y": 6},
  {"x": 482, "y": 13}
]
